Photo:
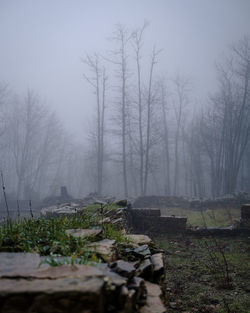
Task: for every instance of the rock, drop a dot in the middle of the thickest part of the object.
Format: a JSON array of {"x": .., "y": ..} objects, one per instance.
[
  {"x": 77, "y": 288},
  {"x": 66, "y": 209},
  {"x": 115, "y": 213},
  {"x": 50, "y": 289},
  {"x": 117, "y": 217},
  {"x": 105, "y": 220},
  {"x": 18, "y": 264},
  {"x": 138, "y": 284},
  {"x": 83, "y": 233},
  {"x": 142, "y": 251},
  {"x": 116, "y": 279},
  {"x": 139, "y": 239},
  {"x": 131, "y": 301},
  {"x": 118, "y": 222},
  {"x": 158, "y": 266},
  {"x": 123, "y": 268},
  {"x": 145, "y": 269},
  {"x": 105, "y": 249},
  {"x": 123, "y": 296},
  {"x": 48, "y": 295},
  {"x": 153, "y": 303}
]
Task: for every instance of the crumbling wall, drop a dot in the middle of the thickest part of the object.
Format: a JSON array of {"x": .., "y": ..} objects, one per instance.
[
  {"x": 150, "y": 221},
  {"x": 160, "y": 201}
]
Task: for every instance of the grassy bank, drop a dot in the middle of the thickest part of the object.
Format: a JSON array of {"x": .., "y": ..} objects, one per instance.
[
  {"x": 218, "y": 217},
  {"x": 207, "y": 275},
  {"x": 48, "y": 236}
]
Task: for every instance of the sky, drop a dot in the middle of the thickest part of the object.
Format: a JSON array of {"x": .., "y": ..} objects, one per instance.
[{"x": 42, "y": 42}]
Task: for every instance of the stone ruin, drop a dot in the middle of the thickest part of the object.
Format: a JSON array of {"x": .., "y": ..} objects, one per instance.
[
  {"x": 144, "y": 214},
  {"x": 150, "y": 221},
  {"x": 126, "y": 281},
  {"x": 160, "y": 201}
]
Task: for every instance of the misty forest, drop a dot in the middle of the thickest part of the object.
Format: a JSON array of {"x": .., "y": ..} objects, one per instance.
[
  {"x": 124, "y": 156},
  {"x": 148, "y": 135}
]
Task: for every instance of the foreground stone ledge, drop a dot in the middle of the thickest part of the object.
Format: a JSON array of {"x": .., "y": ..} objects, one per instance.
[
  {"x": 52, "y": 295},
  {"x": 19, "y": 264},
  {"x": 61, "y": 289}
]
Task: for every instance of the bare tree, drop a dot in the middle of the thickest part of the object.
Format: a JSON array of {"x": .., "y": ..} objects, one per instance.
[
  {"x": 149, "y": 108},
  {"x": 33, "y": 136},
  {"x": 120, "y": 59},
  {"x": 165, "y": 137},
  {"x": 227, "y": 126},
  {"x": 137, "y": 45},
  {"x": 99, "y": 83},
  {"x": 181, "y": 91}
]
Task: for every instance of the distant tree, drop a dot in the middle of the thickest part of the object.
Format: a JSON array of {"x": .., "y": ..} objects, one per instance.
[
  {"x": 181, "y": 99},
  {"x": 150, "y": 101},
  {"x": 226, "y": 131},
  {"x": 99, "y": 83},
  {"x": 119, "y": 58},
  {"x": 165, "y": 138},
  {"x": 33, "y": 137},
  {"x": 137, "y": 43}
]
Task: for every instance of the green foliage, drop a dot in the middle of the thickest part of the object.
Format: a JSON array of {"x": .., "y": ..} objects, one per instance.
[
  {"x": 45, "y": 236},
  {"x": 48, "y": 236},
  {"x": 96, "y": 208},
  {"x": 86, "y": 257},
  {"x": 111, "y": 232}
]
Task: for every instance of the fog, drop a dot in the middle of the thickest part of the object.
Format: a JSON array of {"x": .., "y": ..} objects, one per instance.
[{"x": 44, "y": 68}]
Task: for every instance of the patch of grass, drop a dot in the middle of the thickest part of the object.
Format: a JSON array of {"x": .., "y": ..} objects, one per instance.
[
  {"x": 86, "y": 258},
  {"x": 220, "y": 217},
  {"x": 194, "y": 281},
  {"x": 48, "y": 236},
  {"x": 45, "y": 236},
  {"x": 94, "y": 208},
  {"x": 111, "y": 232}
]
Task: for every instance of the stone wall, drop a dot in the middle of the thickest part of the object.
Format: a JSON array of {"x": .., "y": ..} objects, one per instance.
[
  {"x": 227, "y": 201},
  {"x": 150, "y": 221},
  {"x": 160, "y": 201}
]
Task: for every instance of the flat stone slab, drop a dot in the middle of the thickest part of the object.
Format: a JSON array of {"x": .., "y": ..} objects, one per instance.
[
  {"x": 18, "y": 264},
  {"x": 157, "y": 261},
  {"x": 68, "y": 209},
  {"x": 123, "y": 268},
  {"x": 142, "y": 251},
  {"x": 105, "y": 248},
  {"x": 154, "y": 303},
  {"x": 114, "y": 277},
  {"x": 83, "y": 233},
  {"x": 139, "y": 239},
  {"x": 66, "y": 288},
  {"x": 52, "y": 295},
  {"x": 145, "y": 269}
]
